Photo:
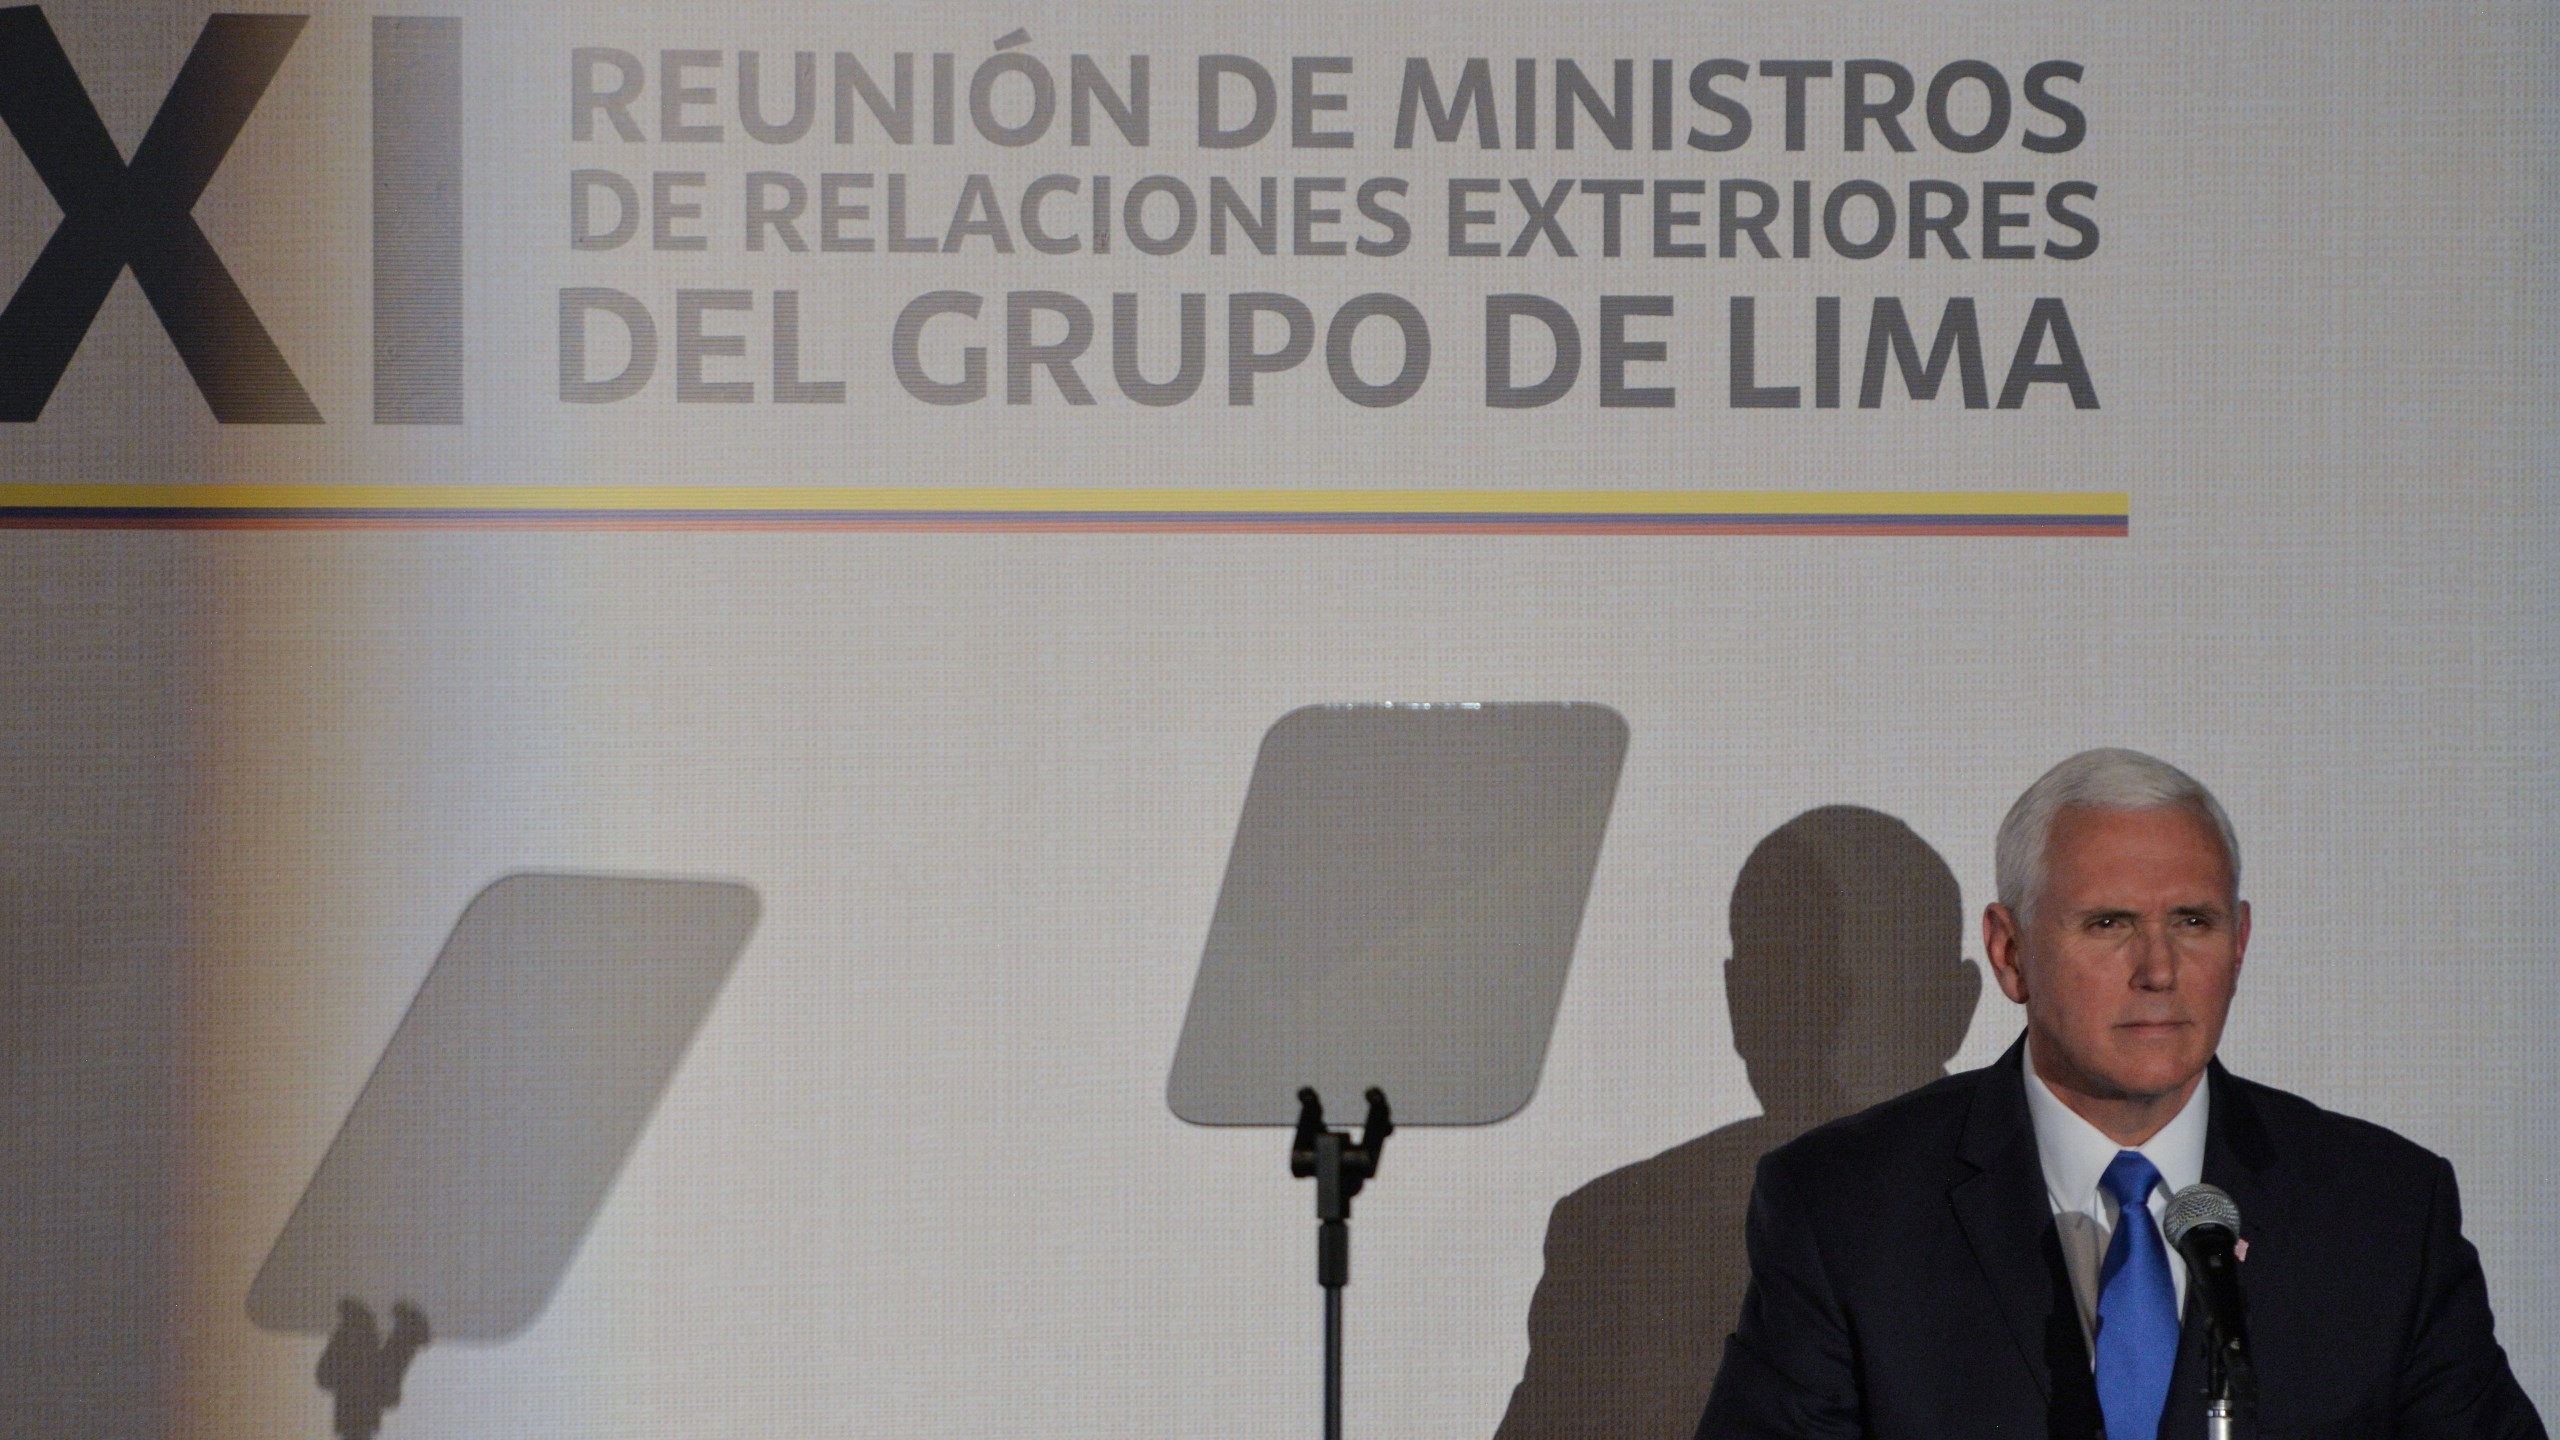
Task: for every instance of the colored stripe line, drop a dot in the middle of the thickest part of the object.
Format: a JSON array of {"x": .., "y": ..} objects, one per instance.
[{"x": 1125, "y": 511}]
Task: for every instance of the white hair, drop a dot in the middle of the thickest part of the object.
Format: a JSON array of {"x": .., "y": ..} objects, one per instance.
[{"x": 2095, "y": 780}]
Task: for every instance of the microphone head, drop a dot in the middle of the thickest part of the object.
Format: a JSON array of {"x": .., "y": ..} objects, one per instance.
[{"x": 2198, "y": 1206}]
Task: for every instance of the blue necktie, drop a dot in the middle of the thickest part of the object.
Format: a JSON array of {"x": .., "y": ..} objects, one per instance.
[{"x": 2137, "y": 1308}]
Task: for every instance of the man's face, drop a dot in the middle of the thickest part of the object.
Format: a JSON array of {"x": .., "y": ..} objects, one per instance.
[{"x": 2127, "y": 960}]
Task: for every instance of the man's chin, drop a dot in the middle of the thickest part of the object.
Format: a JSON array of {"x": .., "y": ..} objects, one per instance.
[
  {"x": 2154, "y": 1037},
  {"x": 2155, "y": 1065}
]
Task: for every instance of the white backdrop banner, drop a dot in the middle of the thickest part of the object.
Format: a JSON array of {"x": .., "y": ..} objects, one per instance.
[{"x": 902, "y": 459}]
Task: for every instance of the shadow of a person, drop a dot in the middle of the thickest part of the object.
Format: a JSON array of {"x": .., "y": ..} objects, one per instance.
[{"x": 1848, "y": 985}]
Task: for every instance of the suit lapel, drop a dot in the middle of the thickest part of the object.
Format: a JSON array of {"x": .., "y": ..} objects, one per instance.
[
  {"x": 2240, "y": 1156},
  {"x": 2000, "y": 1204}
]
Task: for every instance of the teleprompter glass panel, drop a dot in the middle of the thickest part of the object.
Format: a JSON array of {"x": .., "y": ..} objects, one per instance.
[{"x": 1398, "y": 911}]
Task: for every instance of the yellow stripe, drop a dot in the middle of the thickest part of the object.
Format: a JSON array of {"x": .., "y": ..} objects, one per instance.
[{"x": 647, "y": 499}]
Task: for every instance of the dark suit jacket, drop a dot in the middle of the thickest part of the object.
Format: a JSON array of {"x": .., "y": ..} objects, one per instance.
[{"x": 1907, "y": 1280}]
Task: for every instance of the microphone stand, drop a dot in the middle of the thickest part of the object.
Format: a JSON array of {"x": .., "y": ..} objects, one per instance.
[
  {"x": 2221, "y": 1414},
  {"x": 1339, "y": 1169},
  {"x": 2231, "y": 1390}
]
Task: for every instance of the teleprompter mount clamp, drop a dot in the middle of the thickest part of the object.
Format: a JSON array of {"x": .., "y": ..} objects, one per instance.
[{"x": 1339, "y": 1169}]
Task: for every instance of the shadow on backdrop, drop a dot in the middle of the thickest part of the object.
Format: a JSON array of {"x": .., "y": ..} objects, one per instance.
[
  {"x": 1848, "y": 985},
  {"x": 362, "y": 1368},
  {"x": 498, "y": 1118},
  {"x": 101, "y": 804},
  {"x": 496, "y": 1122}
]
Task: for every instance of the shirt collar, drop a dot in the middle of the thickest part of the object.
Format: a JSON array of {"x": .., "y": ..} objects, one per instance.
[{"x": 2076, "y": 1153}]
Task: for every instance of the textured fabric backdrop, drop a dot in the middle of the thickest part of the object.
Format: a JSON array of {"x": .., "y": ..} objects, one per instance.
[{"x": 917, "y": 1176}]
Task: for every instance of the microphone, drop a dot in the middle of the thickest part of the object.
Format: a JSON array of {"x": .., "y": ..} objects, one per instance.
[{"x": 2204, "y": 1225}]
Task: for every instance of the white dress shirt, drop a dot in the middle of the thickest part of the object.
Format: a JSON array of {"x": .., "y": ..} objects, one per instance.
[{"x": 2076, "y": 1155}]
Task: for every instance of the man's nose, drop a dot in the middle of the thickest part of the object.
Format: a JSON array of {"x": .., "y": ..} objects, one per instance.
[{"x": 2155, "y": 960}]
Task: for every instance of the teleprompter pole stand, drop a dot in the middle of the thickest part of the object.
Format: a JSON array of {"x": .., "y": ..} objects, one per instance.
[{"x": 1339, "y": 1169}]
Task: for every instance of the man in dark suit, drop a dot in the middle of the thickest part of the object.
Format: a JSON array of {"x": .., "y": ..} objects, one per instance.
[{"x": 1982, "y": 1257}]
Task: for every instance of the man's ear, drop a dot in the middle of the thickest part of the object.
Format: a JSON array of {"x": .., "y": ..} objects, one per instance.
[{"x": 2004, "y": 942}]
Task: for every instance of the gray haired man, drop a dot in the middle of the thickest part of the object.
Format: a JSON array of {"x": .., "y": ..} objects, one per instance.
[{"x": 1984, "y": 1256}]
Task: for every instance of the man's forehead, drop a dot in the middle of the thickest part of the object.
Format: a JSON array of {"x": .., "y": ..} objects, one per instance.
[{"x": 2170, "y": 846}]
